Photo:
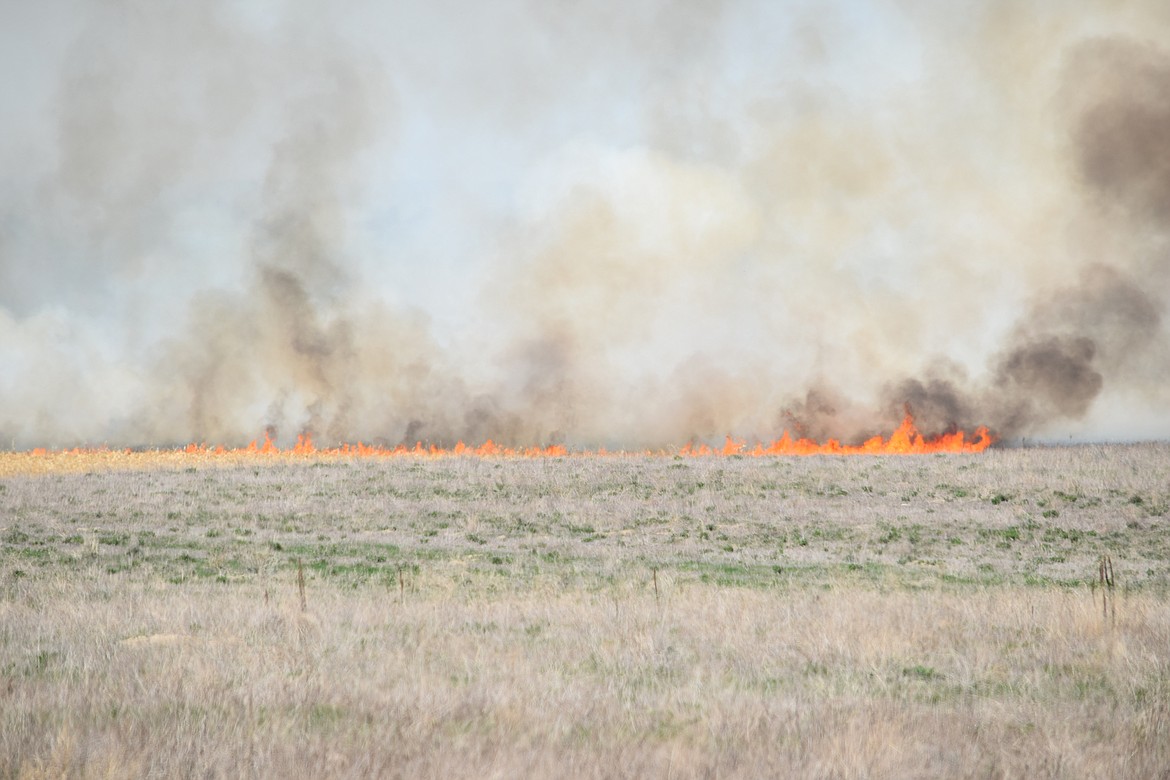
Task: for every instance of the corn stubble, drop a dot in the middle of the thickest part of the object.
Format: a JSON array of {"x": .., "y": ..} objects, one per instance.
[{"x": 917, "y": 617}]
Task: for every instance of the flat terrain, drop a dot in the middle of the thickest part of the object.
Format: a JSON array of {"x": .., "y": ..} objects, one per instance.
[{"x": 915, "y": 616}]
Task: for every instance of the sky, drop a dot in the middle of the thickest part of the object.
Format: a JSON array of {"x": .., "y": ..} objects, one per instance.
[{"x": 592, "y": 223}]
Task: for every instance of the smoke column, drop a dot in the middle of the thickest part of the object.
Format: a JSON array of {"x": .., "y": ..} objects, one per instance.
[{"x": 618, "y": 224}]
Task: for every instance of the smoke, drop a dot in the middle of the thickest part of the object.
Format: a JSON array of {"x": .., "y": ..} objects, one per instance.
[
  {"x": 619, "y": 225},
  {"x": 1106, "y": 327}
]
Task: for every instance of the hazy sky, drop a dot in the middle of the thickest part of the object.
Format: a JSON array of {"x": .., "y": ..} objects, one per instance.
[{"x": 601, "y": 223}]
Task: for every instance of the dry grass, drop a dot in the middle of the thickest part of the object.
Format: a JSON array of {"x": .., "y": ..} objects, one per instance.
[{"x": 587, "y": 618}]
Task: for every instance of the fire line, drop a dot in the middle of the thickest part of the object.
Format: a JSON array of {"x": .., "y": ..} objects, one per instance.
[{"x": 905, "y": 440}]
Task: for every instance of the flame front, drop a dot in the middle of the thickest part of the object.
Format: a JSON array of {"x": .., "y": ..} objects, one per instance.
[{"x": 906, "y": 440}]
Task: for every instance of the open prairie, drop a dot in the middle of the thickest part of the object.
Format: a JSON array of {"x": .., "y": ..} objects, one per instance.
[{"x": 917, "y": 616}]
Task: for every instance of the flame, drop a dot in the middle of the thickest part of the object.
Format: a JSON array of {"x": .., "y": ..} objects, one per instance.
[{"x": 905, "y": 440}]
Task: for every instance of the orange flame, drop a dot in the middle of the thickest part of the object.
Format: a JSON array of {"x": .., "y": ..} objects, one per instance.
[{"x": 906, "y": 440}]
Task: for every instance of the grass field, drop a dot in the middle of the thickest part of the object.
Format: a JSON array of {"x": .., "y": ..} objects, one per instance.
[{"x": 918, "y": 616}]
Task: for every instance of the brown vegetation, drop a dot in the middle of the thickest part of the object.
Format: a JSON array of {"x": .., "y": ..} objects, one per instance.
[{"x": 884, "y": 617}]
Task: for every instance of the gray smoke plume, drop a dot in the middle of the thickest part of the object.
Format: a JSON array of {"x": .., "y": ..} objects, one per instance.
[
  {"x": 1108, "y": 325},
  {"x": 610, "y": 224}
]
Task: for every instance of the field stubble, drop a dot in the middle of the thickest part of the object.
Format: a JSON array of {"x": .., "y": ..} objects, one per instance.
[{"x": 867, "y": 616}]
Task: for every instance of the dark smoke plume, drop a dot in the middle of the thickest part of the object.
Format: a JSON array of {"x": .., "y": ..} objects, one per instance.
[{"x": 1108, "y": 325}]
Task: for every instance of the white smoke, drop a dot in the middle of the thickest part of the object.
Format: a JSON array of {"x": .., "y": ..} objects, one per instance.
[{"x": 620, "y": 224}]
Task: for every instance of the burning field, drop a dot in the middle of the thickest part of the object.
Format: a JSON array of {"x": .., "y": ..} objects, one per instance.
[
  {"x": 643, "y": 389},
  {"x": 904, "y": 441}
]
